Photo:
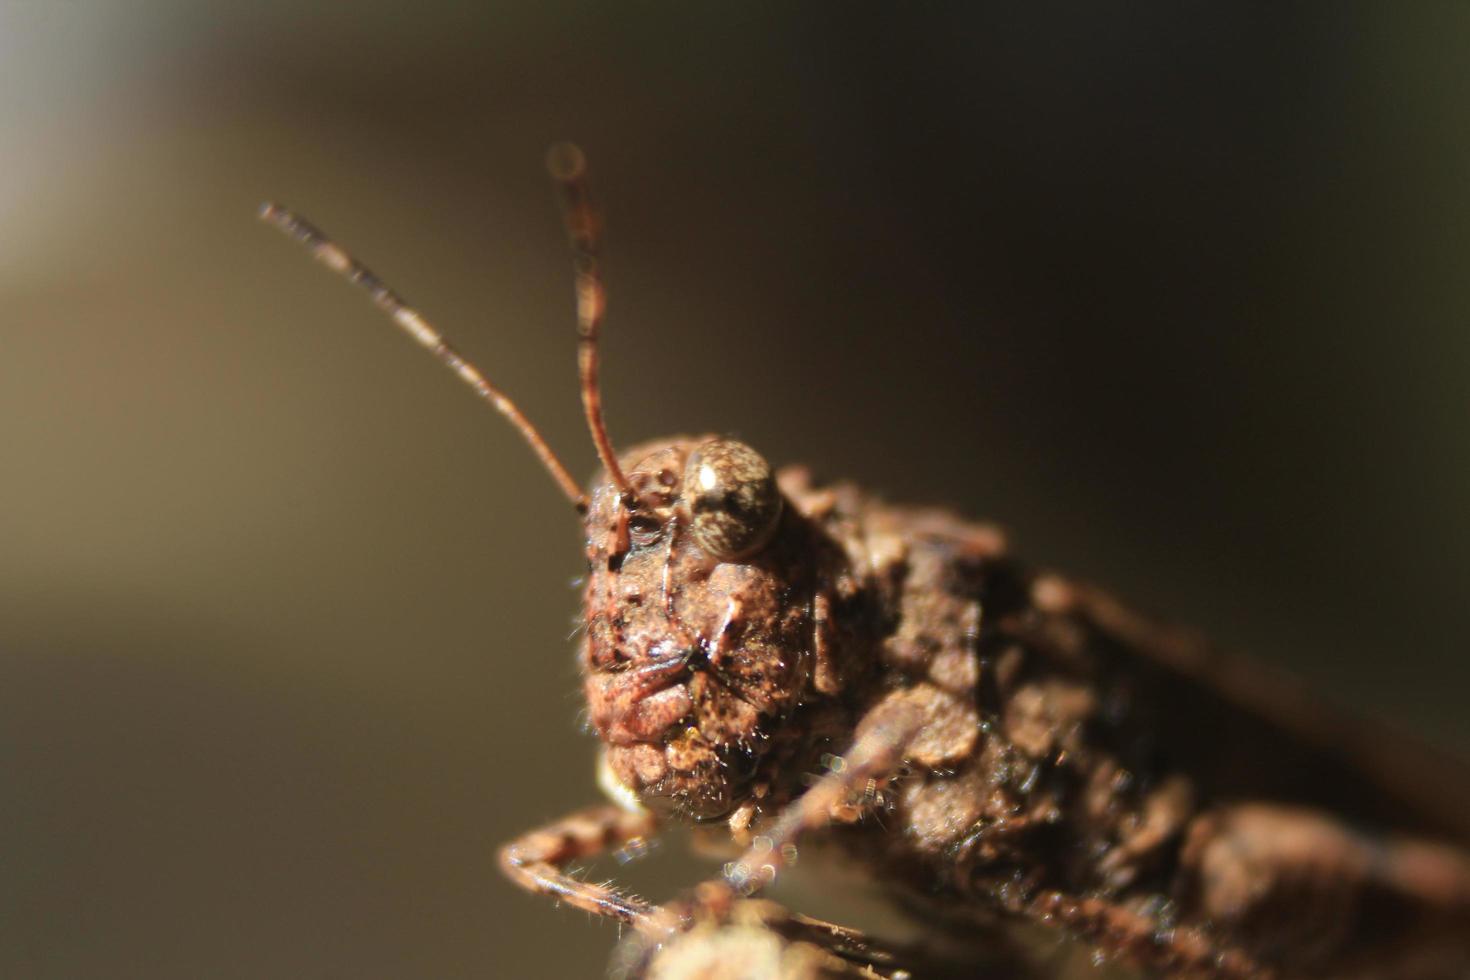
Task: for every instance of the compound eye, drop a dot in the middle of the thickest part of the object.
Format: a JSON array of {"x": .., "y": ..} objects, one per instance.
[{"x": 733, "y": 502}]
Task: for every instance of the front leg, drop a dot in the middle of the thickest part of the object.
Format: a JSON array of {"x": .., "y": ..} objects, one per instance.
[
  {"x": 876, "y": 754},
  {"x": 540, "y": 861},
  {"x": 757, "y": 938}
]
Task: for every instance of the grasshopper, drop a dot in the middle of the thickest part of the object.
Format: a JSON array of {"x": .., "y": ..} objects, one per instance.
[{"x": 801, "y": 662}]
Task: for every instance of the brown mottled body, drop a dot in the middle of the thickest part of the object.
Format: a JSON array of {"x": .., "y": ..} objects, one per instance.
[
  {"x": 995, "y": 740},
  {"x": 999, "y": 744}
]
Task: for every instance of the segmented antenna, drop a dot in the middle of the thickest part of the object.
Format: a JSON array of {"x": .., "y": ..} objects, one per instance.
[
  {"x": 568, "y": 166},
  {"x": 334, "y": 257}
]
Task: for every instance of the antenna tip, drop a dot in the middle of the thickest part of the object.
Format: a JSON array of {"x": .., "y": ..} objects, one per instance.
[
  {"x": 566, "y": 161},
  {"x": 269, "y": 211}
]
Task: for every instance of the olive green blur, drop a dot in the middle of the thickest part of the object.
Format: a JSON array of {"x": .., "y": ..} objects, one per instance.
[{"x": 1178, "y": 293}]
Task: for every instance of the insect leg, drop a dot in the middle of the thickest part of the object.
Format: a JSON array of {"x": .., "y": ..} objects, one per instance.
[
  {"x": 876, "y": 753},
  {"x": 1299, "y": 884},
  {"x": 540, "y": 860},
  {"x": 765, "y": 940}
]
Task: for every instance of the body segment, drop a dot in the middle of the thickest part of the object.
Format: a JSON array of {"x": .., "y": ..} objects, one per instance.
[{"x": 1011, "y": 743}]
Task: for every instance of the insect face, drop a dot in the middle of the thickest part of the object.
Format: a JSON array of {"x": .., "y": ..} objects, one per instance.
[
  {"x": 700, "y": 604},
  {"x": 699, "y": 615}
]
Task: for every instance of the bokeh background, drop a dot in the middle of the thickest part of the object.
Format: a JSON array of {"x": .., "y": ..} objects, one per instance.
[{"x": 1175, "y": 291}]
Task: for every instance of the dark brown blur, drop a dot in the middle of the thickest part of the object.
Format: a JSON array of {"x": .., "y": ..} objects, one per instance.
[{"x": 1179, "y": 294}]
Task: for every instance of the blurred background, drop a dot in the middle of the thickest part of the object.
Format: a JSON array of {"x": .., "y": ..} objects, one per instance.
[{"x": 1176, "y": 292}]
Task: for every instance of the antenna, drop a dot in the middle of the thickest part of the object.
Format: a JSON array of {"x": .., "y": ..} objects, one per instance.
[
  {"x": 334, "y": 257},
  {"x": 568, "y": 166}
]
